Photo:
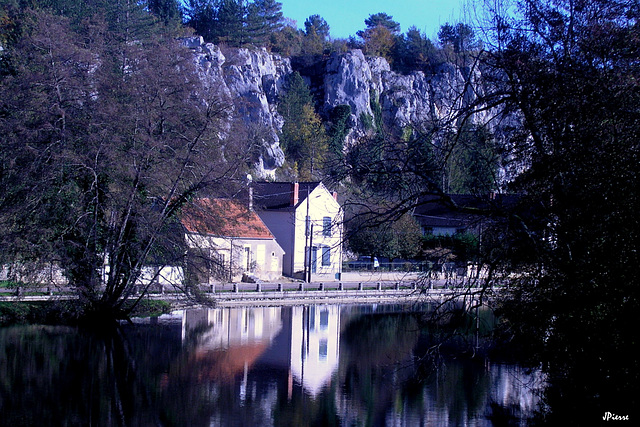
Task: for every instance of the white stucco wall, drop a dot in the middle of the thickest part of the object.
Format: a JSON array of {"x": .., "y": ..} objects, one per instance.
[
  {"x": 319, "y": 204},
  {"x": 289, "y": 226},
  {"x": 262, "y": 257},
  {"x": 282, "y": 226}
]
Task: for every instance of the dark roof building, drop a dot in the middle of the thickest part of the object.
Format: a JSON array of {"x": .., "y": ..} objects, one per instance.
[
  {"x": 281, "y": 195},
  {"x": 458, "y": 213}
]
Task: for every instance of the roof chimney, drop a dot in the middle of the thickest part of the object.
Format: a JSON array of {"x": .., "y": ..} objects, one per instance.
[
  {"x": 335, "y": 195},
  {"x": 294, "y": 193}
]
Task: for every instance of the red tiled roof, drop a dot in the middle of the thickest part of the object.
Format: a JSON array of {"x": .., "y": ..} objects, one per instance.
[{"x": 224, "y": 218}]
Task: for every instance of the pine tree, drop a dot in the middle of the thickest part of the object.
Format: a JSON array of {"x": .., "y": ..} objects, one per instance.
[
  {"x": 264, "y": 18},
  {"x": 303, "y": 135}
]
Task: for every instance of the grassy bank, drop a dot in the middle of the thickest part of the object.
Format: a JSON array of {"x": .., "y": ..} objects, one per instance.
[{"x": 64, "y": 312}]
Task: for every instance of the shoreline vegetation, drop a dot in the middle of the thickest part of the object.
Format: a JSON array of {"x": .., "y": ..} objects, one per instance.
[
  {"x": 64, "y": 312},
  {"x": 59, "y": 307}
]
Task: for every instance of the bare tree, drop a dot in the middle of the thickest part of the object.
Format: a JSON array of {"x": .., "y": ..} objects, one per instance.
[{"x": 104, "y": 141}]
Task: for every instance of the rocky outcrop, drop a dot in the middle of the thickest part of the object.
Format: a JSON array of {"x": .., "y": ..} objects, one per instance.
[
  {"x": 252, "y": 78},
  {"x": 405, "y": 100}
]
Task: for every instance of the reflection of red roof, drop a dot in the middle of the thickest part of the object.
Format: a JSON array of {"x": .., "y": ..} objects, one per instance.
[
  {"x": 224, "y": 218},
  {"x": 222, "y": 365}
]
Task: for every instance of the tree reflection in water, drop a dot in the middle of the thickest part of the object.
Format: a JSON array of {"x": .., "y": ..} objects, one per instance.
[{"x": 298, "y": 366}]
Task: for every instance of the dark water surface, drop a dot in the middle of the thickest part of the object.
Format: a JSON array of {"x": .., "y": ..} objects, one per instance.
[{"x": 316, "y": 365}]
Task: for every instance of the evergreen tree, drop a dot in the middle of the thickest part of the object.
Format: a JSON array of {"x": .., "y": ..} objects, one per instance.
[
  {"x": 382, "y": 20},
  {"x": 380, "y": 36},
  {"x": 472, "y": 165},
  {"x": 316, "y": 35},
  {"x": 201, "y": 15},
  {"x": 167, "y": 11},
  {"x": 264, "y": 19},
  {"x": 414, "y": 51},
  {"x": 460, "y": 38},
  {"x": 303, "y": 135},
  {"x": 231, "y": 23}
]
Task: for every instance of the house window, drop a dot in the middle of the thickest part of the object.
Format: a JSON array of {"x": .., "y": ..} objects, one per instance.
[
  {"x": 326, "y": 226},
  {"x": 326, "y": 255},
  {"x": 324, "y": 320},
  {"x": 323, "y": 349}
]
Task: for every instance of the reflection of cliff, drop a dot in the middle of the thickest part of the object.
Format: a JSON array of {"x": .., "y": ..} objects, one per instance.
[{"x": 315, "y": 345}]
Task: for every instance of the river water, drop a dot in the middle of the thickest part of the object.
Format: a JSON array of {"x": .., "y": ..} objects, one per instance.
[{"x": 318, "y": 365}]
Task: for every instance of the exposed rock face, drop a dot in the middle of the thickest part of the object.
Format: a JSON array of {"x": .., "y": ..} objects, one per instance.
[
  {"x": 406, "y": 100},
  {"x": 252, "y": 79},
  {"x": 350, "y": 80}
]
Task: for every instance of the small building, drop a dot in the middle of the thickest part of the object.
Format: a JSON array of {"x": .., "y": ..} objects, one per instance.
[
  {"x": 228, "y": 242},
  {"x": 306, "y": 220},
  {"x": 453, "y": 214}
]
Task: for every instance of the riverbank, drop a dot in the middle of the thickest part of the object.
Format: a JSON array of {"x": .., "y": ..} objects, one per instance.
[{"x": 284, "y": 294}]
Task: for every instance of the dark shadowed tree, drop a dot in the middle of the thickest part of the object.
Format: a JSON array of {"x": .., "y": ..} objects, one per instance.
[
  {"x": 167, "y": 11},
  {"x": 414, "y": 51},
  {"x": 303, "y": 136},
  {"x": 570, "y": 69},
  {"x": 400, "y": 237},
  {"x": 201, "y": 15},
  {"x": 104, "y": 141},
  {"x": 231, "y": 20},
  {"x": 473, "y": 164},
  {"x": 459, "y": 37}
]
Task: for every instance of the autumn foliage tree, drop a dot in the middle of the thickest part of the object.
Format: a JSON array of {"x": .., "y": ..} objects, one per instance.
[{"x": 303, "y": 135}]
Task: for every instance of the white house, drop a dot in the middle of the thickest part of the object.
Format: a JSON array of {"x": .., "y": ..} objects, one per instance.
[
  {"x": 227, "y": 241},
  {"x": 306, "y": 220}
]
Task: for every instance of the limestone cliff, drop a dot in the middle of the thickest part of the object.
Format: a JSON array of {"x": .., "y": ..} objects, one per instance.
[{"x": 254, "y": 79}]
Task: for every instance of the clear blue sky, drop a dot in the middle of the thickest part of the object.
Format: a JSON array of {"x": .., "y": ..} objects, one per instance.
[{"x": 346, "y": 17}]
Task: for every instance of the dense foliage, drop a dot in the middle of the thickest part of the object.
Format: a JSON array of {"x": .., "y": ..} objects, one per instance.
[
  {"x": 107, "y": 131},
  {"x": 571, "y": 70},
  {"x": 303, "y": 136}
]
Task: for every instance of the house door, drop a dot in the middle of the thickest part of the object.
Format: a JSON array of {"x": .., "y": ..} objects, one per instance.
[{"x": 314, "y": 258}]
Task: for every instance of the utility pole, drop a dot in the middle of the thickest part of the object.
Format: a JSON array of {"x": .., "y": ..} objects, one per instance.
[
  {"x": 310, "y": 252},
  {"x": 307, "y": 249}
]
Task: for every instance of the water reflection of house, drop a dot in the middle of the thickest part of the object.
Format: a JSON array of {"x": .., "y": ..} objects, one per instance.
[
  {"x": 227, "y": 342},
  {"x": 301, "y": 341},
  {"x": 221, "y": 328},
  {"x": 315, "y": 345}
]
